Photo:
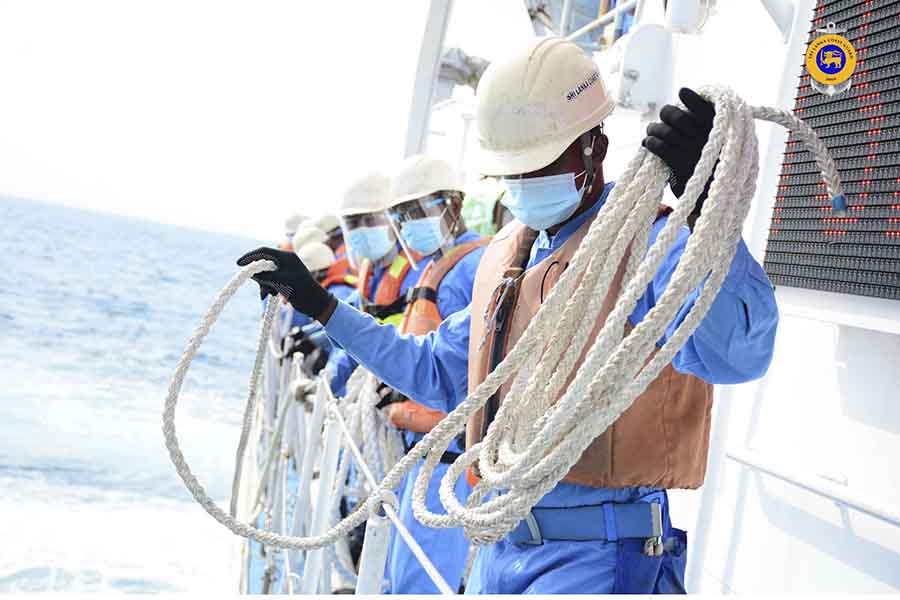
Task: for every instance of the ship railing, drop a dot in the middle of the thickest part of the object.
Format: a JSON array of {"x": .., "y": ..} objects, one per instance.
[
  {"x": 301, "y": 427},
  {"x": 374, "y": 552},
  {"x": 817, "y": 484}
]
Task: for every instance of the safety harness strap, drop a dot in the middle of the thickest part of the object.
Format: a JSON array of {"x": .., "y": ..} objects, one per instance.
[
  {"x": 388, "y": 290},
  {"x": 439, "y": 269},
  {"x": 421, "y": 293}
]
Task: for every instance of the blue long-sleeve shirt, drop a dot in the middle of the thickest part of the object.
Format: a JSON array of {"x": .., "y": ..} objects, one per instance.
[
  {"x": 732, "y": 344},
  {"x": 314, "y": 331},
  {"x": 341, "y": 364},
  {"x": 454, "y": 294}
]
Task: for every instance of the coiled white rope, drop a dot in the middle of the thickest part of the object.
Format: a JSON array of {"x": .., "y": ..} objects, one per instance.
[{"x": 535, "y": 439}]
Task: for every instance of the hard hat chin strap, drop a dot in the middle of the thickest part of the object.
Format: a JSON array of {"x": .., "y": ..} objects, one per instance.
[{"x": 587, "y": 155}]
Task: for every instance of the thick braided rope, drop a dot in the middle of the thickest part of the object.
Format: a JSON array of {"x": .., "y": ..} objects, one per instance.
[{"x": 543, "y": 426}]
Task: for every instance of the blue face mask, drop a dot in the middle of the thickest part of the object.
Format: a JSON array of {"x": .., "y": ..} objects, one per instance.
[
  {"x": 542, "y": 202},
  {"x": 371, "y": 242},
  {"x": 425, "y": 236}
]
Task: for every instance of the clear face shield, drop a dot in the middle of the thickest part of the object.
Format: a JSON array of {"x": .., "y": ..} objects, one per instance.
[
  {"x": 368, "y": 236},
  {"x": 422, "y": 227}
]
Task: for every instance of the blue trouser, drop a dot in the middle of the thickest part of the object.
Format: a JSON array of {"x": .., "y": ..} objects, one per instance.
[
  {"x": 594, "y": 566},
  {"x": 447, "y": 548}
]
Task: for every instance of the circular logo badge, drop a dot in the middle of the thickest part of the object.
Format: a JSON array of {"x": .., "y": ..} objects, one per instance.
[{"x": 830, "y": 59}]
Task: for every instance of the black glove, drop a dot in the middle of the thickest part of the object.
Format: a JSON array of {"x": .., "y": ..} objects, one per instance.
[
  {"x": 388, "y": 396},
  {"x": 315, "y": 361},
  {"x": 300, "y": 343},
  {"x": 680, "y": 138},
  {"x": 291, "y": 279}
]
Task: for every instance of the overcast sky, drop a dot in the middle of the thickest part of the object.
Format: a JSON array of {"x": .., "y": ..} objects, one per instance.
[{"x": 209, "y": 113}]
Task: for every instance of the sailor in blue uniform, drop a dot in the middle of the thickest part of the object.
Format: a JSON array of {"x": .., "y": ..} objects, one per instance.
[
  {"x": 540, "y": 116},
  {"x": 426, "y": 211}
]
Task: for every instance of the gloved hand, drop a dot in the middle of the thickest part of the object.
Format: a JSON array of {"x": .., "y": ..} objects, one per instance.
[
  {"x": 314, "y": 362},
  {"x": 300, "y": 344},
  {"x": 680, "y": 138},
  {"x": 291, "y": 279},
  {"x": 388, "y": 396}
]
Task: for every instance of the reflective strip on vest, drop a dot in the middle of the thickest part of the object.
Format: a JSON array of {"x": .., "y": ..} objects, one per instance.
[{"x": 397, "y": 267}]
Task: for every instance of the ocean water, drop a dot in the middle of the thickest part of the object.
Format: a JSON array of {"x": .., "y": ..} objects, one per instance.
[{"x": 95, "y": 311}]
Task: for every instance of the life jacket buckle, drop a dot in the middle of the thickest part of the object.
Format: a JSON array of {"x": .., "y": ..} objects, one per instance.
[
  {"x": 493, "y": 309},
  {"x": 654, "y": 546}
]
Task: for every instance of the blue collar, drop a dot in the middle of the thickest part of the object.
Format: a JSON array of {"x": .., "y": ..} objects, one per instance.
[{"x": 544, "y": 240}]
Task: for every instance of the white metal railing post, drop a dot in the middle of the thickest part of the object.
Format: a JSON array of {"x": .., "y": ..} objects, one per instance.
[
  {"x": 287, "y": 585},
  {"x": 467, "y": 118},
  {"x": 311, "y": 448},
  {"x": 297, "y": 397},
  {"x": 299, "y": 442},
  {"x": 278, "y": 500},
  {"x": 315, "y": 562},
  {"x": 245, "y": 508},
  {"x": 374, "y": 556},
  {"x": 426, "y": 75},
  {"x": 279, "y": 470},
  {"x": 566, "y": 17},
  {"x": 392, "y": 514},
  {"x": 293, "y": 443},
  {"x": 606, "y": 19}
]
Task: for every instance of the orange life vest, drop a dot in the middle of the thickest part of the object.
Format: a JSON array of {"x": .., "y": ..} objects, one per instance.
[
  {"x": 422, "y": 314},
  {"x": 340, "y": 271},
  {"x": 345, "y": 279},
  {"x": 386, "y": 305}
]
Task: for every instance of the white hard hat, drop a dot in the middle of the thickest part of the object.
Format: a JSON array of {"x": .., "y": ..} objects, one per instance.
[
  {"x": 420, "y": 175},
  {"x": 316, "y": 256},
  {"x": 533, "y": 105},
  {"x": 368, "y": 194},
  {"x": 306, "y": 234},
  {"x": 292, "y": 222},
  {"x": 326, "y": 222}
]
